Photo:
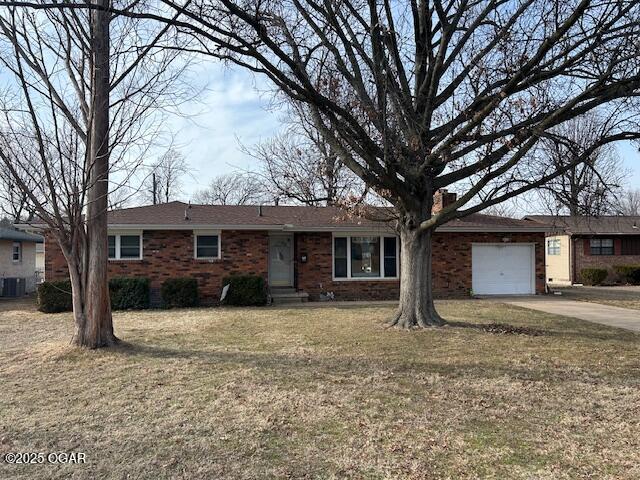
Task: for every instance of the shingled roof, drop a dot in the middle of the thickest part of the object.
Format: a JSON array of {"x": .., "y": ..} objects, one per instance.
[
  {"x": 583, "y": 225},
  {"x": 179, "y": 215},
  {"x": 19, "y": 236}
]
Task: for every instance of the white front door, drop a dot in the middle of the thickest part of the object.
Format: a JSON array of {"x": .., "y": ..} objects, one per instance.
[
  {"x": 281, "y": 260},
  {"x": 504, "y": 269}
]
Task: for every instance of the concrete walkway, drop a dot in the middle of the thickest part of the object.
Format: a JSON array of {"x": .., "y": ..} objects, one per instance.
[{"x": 592, "y": 312}]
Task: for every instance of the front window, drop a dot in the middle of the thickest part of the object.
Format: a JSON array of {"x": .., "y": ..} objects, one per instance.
[
  {"x": 601, "y": 246},
  {"x": 125, "y": 247},
  {"x": 207, "y": 246},
  {"x": 363, "y": 257},
  {"x": 16, "y": 253},
  {"x": 553, "y": 246}
]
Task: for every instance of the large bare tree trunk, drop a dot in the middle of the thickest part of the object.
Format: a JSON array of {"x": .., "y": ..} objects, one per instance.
[
  {"x": 98, "y": 329},
  {"x": 416, "y": 308}
]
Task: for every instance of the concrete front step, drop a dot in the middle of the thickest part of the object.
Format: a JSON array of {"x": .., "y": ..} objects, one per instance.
[{"x": 280, "y": 297}]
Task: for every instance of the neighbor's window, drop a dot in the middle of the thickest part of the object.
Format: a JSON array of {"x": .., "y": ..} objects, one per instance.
[
  {"x": 207, "y": 246},
  {"x": 125, "y": 247},
  {"x": 363, "y": 257},
  {"x": 630, "y": 246},
  {"x": 601, "y": 246},
  {"x": 553, "y": 246},
  {"x": 16, "y": 253}
]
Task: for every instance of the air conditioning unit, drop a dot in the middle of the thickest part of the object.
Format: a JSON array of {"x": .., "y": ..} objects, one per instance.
[{"x": 13, "y": 287}]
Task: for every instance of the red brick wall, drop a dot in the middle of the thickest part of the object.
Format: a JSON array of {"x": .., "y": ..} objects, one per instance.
[
  {"x": 451, "y": 266},
  {"x": 169, "y": 254},
  {"x": 584, "y": 259}
]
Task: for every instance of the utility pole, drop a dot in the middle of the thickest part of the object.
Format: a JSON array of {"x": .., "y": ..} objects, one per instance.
[{"x": 155, "y": 189}]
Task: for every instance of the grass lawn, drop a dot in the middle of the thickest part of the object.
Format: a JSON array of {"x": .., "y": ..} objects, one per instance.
[
  {"x": 615, "y": 296},
  {"x": 322, "y": 393}
]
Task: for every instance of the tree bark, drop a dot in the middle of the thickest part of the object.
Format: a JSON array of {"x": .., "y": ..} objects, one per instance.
[
  {"x": 98, "y": 328},
  {"x": 416, "y": 308}
]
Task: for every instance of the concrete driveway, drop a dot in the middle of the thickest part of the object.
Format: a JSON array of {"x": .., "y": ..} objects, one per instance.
[{"x": 592, "y": 312}]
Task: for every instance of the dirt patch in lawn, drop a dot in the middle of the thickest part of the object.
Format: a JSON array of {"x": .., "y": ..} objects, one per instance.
[{"x": 323, "y": 393}]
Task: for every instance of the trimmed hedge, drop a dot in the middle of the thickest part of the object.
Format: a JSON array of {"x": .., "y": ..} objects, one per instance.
[
  {"x": 179, "y": 292},
  {"x": 55, "y": 297},
  {"x": 125, "y": 293},
  {"x": 593, "y": 276},
  {"x": 245, "y": 290},
  {"x": 628, "y": 273},
  {"x": 129, "y": 293}
]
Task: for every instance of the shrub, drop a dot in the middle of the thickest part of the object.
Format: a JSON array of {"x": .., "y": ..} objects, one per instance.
[
  {"x": 179, "y": 292},
  {"x": 628, "y": 273},
  {"x": 129, "y": 293},
  {"x": 54, "y": 297},
  {"x": 245, "y": 290},
  {"x": 593, "y": 276}
]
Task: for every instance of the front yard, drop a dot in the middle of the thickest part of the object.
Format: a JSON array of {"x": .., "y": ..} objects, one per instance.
[
  {"x": 322, "y": 393},
  {"x": 624, "y": 296}
]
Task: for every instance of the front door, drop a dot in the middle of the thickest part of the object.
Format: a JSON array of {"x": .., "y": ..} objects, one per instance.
[{"x": 281, "y": 260}]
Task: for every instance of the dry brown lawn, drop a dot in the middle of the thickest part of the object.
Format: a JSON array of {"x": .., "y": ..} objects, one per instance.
[
  {"x": 615, "y": 296},
  {"x": 322, "y": 393}
]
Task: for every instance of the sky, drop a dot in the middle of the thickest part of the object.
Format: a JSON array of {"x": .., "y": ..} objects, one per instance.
[{"x": 235, "y": 109}]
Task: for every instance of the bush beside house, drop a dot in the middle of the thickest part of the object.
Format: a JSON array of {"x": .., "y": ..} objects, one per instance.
[
  {"x": 245, "y": 290},
  {"x": 628, "y": 273},
  {"x": 593, "y": 276},
  {"x": 179, "y": 292},
  {"x": 125, "y": 293}
]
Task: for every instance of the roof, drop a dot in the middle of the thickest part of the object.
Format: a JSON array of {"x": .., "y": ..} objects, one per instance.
[
  {"x": 19, "y": 236},
  {"x": 179, "y": 215},
  {"x": 583, "y": 225}
]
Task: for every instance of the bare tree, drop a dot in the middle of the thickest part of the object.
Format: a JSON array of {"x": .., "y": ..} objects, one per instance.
[
  {"x": 84, "y": 89},
  {"x": 436, "y": 94},
  {"x": 165, "y": 178},
  {"x": 300, "y": 166},
  {"x": 629, "y": 203},
  {"x": 233, "y": 189},
  {"x": 589, "y": 188},
  {"x": 14, "y": 203}
]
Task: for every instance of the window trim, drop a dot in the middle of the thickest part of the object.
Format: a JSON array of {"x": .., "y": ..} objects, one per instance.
[
  {"x": 557, "y": 245},
  {"x": 349, "y": 278},
  {"x": 205, "y": 233},
  {"x": 13, "y": 246},
  {"x": 600, "y": 254},
  {"x": 127, "y": 233}
]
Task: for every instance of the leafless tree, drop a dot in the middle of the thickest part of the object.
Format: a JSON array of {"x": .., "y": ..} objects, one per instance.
[
  {"x": 629, "y": 203},
  {"x": 233, "y": 189},
  {"x": 164, "y": 180},
  {"x": 85, "y": 89},
  {"x": 432, "y": 94},
  {"x": 591, "y": 187},
  {"x": 14, "y": 203},
  {"x": 299, "y": 165}
]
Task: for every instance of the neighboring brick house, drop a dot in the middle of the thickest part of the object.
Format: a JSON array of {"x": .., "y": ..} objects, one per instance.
[
  {"x": 17, "y": 261},
  {"x": 305, "y": 251},
  {"x": 574, "y": 243}
]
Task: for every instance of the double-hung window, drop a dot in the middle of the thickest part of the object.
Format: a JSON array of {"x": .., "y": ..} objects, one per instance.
[
  {"x": 601, "y": 246},
  {"x": 206, "y": 245},
  {"x": 125, "y": 246},
  {"x": 553, "y": 246},
  {"x": 365, "y": 257},
  {"x": 16, "y": 252}
]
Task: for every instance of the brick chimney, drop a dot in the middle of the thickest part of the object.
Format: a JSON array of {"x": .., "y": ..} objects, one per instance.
[{"x": 441, "y": 199}]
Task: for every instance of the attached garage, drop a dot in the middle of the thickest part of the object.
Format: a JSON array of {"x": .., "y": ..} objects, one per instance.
[{"x": 503, "y": 268}]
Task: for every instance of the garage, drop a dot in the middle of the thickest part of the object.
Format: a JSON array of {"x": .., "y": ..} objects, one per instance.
[{"x": 503, "y": 269}]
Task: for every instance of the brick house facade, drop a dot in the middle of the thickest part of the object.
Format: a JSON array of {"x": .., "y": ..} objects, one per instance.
[
  {"x": 170, "y": 251},
  {"x": 575, "y": 243}
]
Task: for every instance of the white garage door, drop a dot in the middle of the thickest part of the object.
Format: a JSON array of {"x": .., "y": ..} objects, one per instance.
[{"x": 504, "y": 269}]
